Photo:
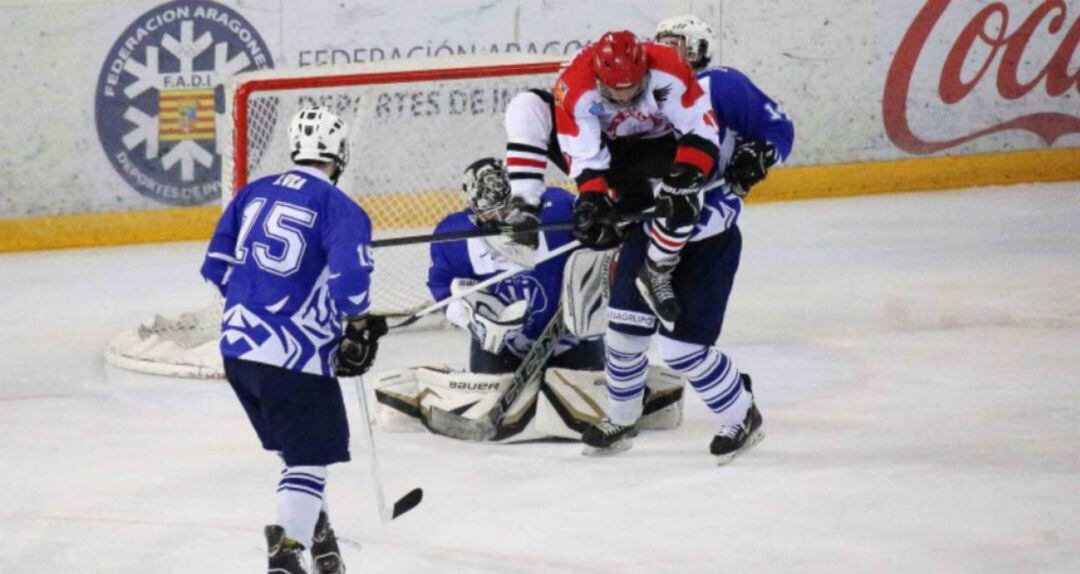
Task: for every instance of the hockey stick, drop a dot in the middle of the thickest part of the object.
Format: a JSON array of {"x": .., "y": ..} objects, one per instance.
[
  {"x": 643, "y": 216},
  {"x": 487, "y": 231},
  {"x": 403, "y": 504},
  {"x": 482, "y": 285},
  {"x": 532, "y": 366}
]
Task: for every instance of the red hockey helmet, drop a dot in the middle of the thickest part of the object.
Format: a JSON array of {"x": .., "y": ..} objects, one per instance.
[{"x": 620, "y": 63}]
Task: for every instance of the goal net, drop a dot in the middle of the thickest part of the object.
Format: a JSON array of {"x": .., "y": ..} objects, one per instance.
[{"x": 414, "y": 127}]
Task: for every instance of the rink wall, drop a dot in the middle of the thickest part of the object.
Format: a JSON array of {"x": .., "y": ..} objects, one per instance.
[{"x": 886, "y": 96}]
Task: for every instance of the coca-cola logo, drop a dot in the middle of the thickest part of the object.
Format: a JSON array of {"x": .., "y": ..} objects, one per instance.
[{"x": 988, "y": 40}]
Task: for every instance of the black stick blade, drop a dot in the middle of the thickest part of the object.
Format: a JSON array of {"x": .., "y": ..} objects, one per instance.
[{"x": 407, "y": 502}]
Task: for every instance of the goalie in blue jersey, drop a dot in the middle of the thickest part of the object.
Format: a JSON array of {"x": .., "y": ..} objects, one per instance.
[
  {"x": 687, "y": 301},
  {"x": 508, "y": 317},
  {"x": 538, "y": 332},
  {"x": 291, "y": 256}
]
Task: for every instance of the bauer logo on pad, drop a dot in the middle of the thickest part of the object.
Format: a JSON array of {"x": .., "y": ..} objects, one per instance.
[{"x": 159, "y": 102}]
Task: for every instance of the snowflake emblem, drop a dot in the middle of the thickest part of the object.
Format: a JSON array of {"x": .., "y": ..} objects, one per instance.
[{"x": 159, "y": 102}]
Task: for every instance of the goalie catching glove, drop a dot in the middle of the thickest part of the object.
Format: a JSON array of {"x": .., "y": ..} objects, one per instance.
[
  {"x": 491, "y": 321},
  {"x": 359, "y": 344}
]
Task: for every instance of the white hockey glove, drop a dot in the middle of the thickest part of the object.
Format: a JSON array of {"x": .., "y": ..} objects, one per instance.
[{"x": 491, "y": 321}]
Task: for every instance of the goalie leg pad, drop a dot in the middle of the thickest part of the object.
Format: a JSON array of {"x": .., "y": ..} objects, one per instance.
[
  {"x": 409, "y": 395},
  {"x": 572, "y": 400}
]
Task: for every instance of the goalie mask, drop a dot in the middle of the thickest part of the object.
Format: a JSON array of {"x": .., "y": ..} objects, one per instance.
[
  {"x": 486, "y": 188},
  {"x": 689, "y": 35},
  {"x": 318, "y": 135}
]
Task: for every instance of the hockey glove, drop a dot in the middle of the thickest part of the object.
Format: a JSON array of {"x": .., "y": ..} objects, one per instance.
[
  {"x": 595, "y": 222},
  {"x": 678, "y": 197},
  {"x": 526, "y": 217},
  {"x": 359, "y": 344},
  {"x": 750, "y": 164}
]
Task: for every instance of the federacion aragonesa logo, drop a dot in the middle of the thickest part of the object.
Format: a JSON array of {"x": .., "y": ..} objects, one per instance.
[{"x": 160, "y": 104}]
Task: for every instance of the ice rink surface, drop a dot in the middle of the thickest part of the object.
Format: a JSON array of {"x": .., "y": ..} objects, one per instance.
[{"x": 916, "y": 359}]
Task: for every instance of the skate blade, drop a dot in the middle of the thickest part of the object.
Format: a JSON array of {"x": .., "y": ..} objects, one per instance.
[
  {"x": 621, "y": 445},
  {"x": 750, "y": 443}
]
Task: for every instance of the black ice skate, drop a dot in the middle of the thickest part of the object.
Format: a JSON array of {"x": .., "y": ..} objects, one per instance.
[
  {"x": 732, "y": 441},
  {"x": 654, "y": 283},
  {"x": 324, "y": 548},
  {"x": 606, "y": 437},
  {"x": 286, "y": 554}
]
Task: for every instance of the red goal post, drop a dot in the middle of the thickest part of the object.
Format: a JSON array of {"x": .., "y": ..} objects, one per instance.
[{"x": 244, "y": 86}]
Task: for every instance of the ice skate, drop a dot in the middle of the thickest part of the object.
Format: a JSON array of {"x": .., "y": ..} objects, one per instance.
[
  {"x": 286, "y": 555},
  {"x": 731, "y": 441},
  {"x": 325, "y": 553},
  {"x": 607, "y": 438},
  {"x": 654, "y": 283}
]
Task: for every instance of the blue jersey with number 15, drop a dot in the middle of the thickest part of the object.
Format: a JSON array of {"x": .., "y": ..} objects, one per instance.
[{"x": 292, "y": 257}]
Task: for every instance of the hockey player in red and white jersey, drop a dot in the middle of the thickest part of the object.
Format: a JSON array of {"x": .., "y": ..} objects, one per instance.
[
  {"x": 755, "y": 135},
  {"x": 636, "y": 130}
]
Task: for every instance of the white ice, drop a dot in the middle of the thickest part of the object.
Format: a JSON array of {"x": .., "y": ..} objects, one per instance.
[{"x": 916, "y": 358}]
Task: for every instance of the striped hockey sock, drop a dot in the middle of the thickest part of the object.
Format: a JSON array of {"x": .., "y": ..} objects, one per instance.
[
  {"x": 716, "y": 380},
  {"x": 299, "y": 500},
  {"x": 626, "y": 373},
  {"x": 665, "y": 242}
]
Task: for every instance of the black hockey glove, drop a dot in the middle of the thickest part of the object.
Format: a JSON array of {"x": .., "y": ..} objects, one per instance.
[
  {"x": 678, "y": 199},
  {"x": 526, "y": 217},
  {"x": 750, "y": 164},
  {"x": 359, "y": 344},
  {"x": 595, "y": 221}
]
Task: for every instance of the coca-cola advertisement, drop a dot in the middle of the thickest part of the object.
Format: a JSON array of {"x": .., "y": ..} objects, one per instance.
[{"x": 985, "y": 76}]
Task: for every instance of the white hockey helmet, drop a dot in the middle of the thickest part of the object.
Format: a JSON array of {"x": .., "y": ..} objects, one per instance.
[
  {"x": 696, "y": 37},
  {"x": 486, "y": 188},
  {"x": 317, "y": 134}
]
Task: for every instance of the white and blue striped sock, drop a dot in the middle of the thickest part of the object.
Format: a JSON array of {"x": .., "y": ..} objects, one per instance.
[
  {"x": 626, "y": 367},
  {"x": 713, "y": 375},
  {"x": 299, "y": 500}
]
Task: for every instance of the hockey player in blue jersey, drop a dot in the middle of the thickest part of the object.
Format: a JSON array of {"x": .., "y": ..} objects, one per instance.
[
  {"x": 291, "y": 256},
  {"x": 502, "y": 331},
  {"x": 755, "y": 134}
]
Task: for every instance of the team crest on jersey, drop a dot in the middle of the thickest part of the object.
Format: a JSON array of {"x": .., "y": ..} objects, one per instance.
[
  {"x": 159, "y": 102},
  {"x": 523, "y": 286}
]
